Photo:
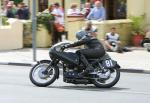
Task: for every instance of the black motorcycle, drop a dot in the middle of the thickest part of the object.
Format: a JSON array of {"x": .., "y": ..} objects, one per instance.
[{"x": 105, "y": 75}]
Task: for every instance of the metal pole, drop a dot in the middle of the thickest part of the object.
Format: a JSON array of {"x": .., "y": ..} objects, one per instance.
[
  {"x": 0, "y": 13},
  {"x": 34, "y": 23}
]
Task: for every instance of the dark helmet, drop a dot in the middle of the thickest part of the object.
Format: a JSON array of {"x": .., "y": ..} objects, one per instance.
[{"x": 80, "y": 34}]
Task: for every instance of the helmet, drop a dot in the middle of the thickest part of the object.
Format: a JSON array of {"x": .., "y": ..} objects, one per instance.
[{"x": 80, "y": 34}]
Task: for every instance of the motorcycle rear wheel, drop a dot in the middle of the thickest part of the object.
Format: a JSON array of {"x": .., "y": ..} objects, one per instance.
[
  {"x": 101, "y": 84},
  {"x": 43, "y": 80}
]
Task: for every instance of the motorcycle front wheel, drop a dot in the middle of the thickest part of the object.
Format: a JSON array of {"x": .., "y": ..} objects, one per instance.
[
  {"x": 112, "y": 79},
  {"x": 42, "y": 78}
]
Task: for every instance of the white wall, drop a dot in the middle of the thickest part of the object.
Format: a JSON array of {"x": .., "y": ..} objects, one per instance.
[
  {"x": 147, "y": 11},
  {"x": 135, "y": 7},
  {"x": 139, "y": 8},
  {"x": 11, "y": 37}
]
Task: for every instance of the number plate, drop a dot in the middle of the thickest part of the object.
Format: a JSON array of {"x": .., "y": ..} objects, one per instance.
[{"x": 109, "y": 63}]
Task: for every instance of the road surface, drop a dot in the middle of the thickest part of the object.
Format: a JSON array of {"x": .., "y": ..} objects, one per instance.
[{"x": 15, "y": 87}]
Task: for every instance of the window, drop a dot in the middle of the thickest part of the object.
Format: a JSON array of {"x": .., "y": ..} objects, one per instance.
[
  {"x": 121, "y": 9},
  {"x": 116, "y": 9},
  {"x": 43, "y": 4}
]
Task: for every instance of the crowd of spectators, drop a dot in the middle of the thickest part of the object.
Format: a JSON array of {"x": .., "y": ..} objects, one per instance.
[
  {"x": 91, "y": 10},
  {"x": 12, "y": 10},
  {"x": 95, "y": 13}
]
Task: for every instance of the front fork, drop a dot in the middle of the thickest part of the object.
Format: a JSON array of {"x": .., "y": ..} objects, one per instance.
[{"x": 48, "y": 70}]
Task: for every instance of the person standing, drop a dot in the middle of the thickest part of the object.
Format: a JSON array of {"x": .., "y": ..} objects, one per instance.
[
  {"x": 11, "y": 10},
  {"x": 4, "y": 7},
  {"x": 22, "y": 12},
  {"x": 58, "y": 14},
  {"x": 86, "y": 10},
  {"x": 98, "y": 12},
  {"x": 26, "y": 12}
]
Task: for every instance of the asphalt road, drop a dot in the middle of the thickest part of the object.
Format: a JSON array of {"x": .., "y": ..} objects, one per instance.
[{"x": 15, "y": 87}]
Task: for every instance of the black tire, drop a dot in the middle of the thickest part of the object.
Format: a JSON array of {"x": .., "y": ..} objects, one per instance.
[
  {"x": 110, "y": 84},
  {"x": 56, "y": 69}
]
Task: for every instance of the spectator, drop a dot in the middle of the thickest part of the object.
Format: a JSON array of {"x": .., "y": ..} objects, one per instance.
[
  {"x": 92, "y": 3},
  {"x": 51, "y": 8},
  {"x": 89, "y": 28},
  {"x": 4, "y": 8},
  {"x": 26, "y": 12},
  {"x": 5, "y": 2},
  {"x": 73, "y": 10},
  {"x": 148, "y": 34},
  {"x": 22, "y": 12},
  {"x": 98, "y": 12},
  {"x": 58, "y": 13},
  {"x": 112, "y": 41},
  {"x": 11, "y": 10},
  {"x": 146, "y": 41},
  {"x": 86, "y": 10}
]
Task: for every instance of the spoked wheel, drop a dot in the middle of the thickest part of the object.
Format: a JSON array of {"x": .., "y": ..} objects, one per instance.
[
  {"x": 42, "y": 78},
  {"x": 107, "y": 79}
]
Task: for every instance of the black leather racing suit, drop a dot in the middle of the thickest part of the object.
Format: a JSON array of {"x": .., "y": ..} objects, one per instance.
[{"x": 93, "y": 49}]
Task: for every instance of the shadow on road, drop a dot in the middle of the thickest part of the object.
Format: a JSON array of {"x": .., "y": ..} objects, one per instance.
[{"x": 89, "y": 88}]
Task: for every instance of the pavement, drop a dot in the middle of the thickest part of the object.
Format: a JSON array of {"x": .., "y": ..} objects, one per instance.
[{"x": 136, "y": 61}]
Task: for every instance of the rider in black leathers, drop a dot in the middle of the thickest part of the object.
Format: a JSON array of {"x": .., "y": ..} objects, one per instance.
[{"x": 93, "y": 49}]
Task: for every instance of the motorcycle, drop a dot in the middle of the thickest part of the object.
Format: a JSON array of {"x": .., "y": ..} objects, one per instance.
[{"x": 106, "y": 71}]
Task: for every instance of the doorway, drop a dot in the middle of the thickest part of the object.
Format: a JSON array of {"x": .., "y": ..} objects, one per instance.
[{"x": 115, "y": 9}]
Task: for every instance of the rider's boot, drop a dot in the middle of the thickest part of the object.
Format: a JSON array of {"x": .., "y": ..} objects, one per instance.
[
  {"x": 89, "y": 67},
  {"x": 87, "y": 71}
]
